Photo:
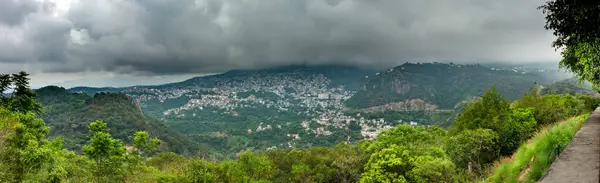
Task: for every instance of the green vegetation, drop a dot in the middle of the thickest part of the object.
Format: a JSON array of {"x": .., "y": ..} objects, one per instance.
[
  {"x": 487, "y": 129},
  {"x": 567, "y": 86},
  {"x": 68, "y": 115},
  {"x": 441, "y": 118},
  {"x": 531, "y": 160},
  {"x": 579, "y": 40},
  {"x": 444, "y": 85}
]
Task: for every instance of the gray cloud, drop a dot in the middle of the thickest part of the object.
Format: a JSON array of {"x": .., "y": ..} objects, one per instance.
[
  {"x": 187, "y": 36},
  {"x": 13, "y": 12}
]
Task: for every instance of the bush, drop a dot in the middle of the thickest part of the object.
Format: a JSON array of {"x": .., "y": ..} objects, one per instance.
[
  {"x": 549, "y": 109},
  {"x": 519, "y": 127},
  {"x": 589, "y": 102},
  {"x": 479, "y": 147}
]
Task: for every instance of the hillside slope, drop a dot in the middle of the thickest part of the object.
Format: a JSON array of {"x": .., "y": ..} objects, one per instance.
[
  {"x": 68, "y": 115},
  {"x": 442, "y": 85},
  {"x": 306, "y": 106},
  {"x": 568, "y": 86}
]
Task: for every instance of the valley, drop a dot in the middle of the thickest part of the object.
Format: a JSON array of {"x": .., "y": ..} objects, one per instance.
[{"x": 306, "y": 106}]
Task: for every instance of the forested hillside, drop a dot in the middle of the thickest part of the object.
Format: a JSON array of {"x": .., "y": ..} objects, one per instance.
[
  {"x": 440, "y": 84},
  {"x": 568, "y": 86},
  {"x": 305, "y": 106},
  {"x": 68, "y": 115}
]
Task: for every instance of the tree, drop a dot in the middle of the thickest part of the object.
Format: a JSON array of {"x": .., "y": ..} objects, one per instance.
[
  {"x": 143, "y": 143},
  {"x": 575, "y": 23},
  {"x": 516, "y": 130},
  {"x": 348, "y": 162},
  {"x": 408, "y": 154},
  {"x": 476, "y": 147},
  {"x": 5, "y": 82},
  {"x": 107, "y": 152},
  {"x": 201, "y": 171},
  {"x": 256, "y": 167},
  {"x": 24, "y": 148},
  {"x": 490, "y": 111},
  {"x": 23, "y": 99}
]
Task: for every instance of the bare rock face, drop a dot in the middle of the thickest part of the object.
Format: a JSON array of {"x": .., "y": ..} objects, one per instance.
[{"x": 403, "y": 89}]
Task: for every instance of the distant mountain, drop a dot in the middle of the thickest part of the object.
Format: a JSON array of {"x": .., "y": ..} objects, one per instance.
[
  {"x": 441, "y": 85},
  {"x": 93, "y": 90},
  {"x": 68, "y": 115},
  {"x": 571, "y": 86},
  {"x": 305, "y": 106},
  {"x": 347, "y": 76}
]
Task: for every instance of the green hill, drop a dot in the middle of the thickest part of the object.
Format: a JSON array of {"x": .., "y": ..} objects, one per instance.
[
  {"x": 68, "y": 115},
  {"x": 443, "y": 85},
  {"x": 570, "y": 86}
]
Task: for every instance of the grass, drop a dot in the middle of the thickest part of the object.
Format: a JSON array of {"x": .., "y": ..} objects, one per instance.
[{"x": 531, "y": 161}]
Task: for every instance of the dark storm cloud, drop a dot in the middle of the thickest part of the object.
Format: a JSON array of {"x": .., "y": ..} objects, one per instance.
[
  {"x": 13, "y": 12},
  {"x": 187, "y": 36}
]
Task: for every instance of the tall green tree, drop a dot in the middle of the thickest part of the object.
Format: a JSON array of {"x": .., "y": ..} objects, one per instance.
[
  {"x": 487, "y": 112},
  {"x": 575, "y": 23},
  {"x": 23, "y": 98},
  {"x": 25, "y": 150},
  {"x": 144, "y": 144},
  {"x": 5, "y": 82},
  {"x": 106, "y": 152}
]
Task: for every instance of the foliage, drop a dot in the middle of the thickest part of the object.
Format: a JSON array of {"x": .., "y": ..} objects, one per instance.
[
  {"x": 106, "y": 152},
  {"x": 22, "y": 98},
  {"x": 68, "y": 113},
  {"x": 573, "y": 22},
  {"x": 531, "y": 160},
  {"x": 489, "y": 112},
  {"x": 519, "y": 127},
  {"x": 476, "y": 147},
  {"x": 590, "y": 103},
  {"x": 552, "y": 108},
  {"x": 412, "y": 154},
  {"x": 441, "y": 118},
  {"x": 567, "y": 86},
  {"x": 23, "y": 147},
  {"x": 487, "y": 128},
  {"x": 144, "y": 143}
]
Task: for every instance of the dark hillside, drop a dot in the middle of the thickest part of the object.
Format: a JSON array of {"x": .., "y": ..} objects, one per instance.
[
  {"x": 443, "y": 85},
  {"x": 68, "y": 114}
]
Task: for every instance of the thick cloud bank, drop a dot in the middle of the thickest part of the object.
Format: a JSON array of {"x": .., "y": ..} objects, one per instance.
[{"x": 185, "y": 36}]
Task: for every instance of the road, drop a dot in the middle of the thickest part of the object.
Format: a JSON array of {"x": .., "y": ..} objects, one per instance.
[{"x": 580, "y": 161}]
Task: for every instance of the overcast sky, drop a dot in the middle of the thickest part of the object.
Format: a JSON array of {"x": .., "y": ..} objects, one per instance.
[{"x": 128, "y": 42}]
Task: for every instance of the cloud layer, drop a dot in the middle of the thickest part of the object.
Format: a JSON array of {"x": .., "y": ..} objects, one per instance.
[{"x": 158, "y": 37}]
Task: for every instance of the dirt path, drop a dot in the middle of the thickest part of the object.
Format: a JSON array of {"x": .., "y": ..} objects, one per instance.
[{"x": 580, "y": 161}]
